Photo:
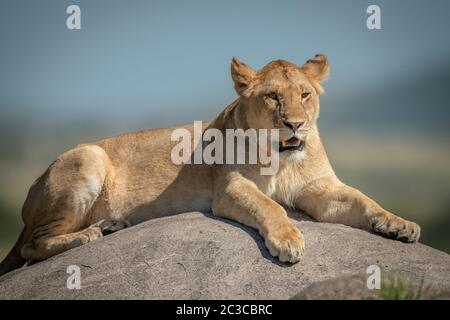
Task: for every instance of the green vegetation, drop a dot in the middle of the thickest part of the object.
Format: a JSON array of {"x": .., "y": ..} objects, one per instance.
[{"x": 398, "y": 289}]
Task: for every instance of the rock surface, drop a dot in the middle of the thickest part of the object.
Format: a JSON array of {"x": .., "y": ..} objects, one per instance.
[
  {"x": 198, "y": 256},
  {"x": 355, "y": 287}
]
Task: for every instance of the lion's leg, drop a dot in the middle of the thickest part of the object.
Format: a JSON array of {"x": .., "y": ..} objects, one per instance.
[
  {"x": 329, "y": 200},
  {"x": 239, "y": 199},
  {"x": 58, "y": 207},
  {"x": 46, "y": 247}
]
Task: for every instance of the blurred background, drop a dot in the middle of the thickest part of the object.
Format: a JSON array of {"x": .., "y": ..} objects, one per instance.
[{"x": 142, "y": 64}]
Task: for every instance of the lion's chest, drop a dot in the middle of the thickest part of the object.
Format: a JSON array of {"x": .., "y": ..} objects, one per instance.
[{"x": 284, "y": 186}]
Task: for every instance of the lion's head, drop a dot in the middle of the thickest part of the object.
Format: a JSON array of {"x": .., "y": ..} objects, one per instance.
[{"x": 282, "y": 96}]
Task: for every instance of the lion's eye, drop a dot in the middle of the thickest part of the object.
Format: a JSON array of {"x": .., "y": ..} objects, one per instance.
[
  {"x": 273, "y": 96},
  {"x": 305, "y": 95}
]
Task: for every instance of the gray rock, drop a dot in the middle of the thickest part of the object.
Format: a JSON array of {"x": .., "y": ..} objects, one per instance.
[
  {"x": 198, "y": 256},
  {"x": 355, "y": 287},
  {"x": 344, "y": 287}
]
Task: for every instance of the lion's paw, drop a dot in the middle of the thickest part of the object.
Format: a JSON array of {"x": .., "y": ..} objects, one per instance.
[
  {"x": 286, "y": 243},
  {"x": 396, "y": 228}
]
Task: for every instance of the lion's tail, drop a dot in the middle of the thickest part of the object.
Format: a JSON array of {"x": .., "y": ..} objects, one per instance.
[{"x": 14, "y": 258}]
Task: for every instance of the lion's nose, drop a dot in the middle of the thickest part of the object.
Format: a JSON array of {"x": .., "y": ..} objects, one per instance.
[{"x": 294, "y": 125}]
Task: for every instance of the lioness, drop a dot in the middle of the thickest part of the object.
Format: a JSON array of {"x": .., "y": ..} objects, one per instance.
[{"x": 96, "y": 187}]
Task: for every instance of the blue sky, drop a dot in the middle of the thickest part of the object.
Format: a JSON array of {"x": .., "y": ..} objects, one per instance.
[{"x": 170, "y": 59}]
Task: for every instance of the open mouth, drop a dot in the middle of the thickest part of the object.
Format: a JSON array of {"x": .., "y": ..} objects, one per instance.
[{"x": 292, "y": 144}]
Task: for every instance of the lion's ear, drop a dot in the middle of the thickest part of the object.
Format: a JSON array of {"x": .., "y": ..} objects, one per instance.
[
  {"x": 242, "y": 75},
  {"x": 317, "y": 69}
]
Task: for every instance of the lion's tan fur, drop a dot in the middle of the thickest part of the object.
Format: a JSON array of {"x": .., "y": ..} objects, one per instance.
[{"x": 131, "y": 177}]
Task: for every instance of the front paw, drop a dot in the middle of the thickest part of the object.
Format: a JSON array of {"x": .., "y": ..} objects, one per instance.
[
  {"x": 396, "y": 228},
  {"x": 286, "y": 243}
]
